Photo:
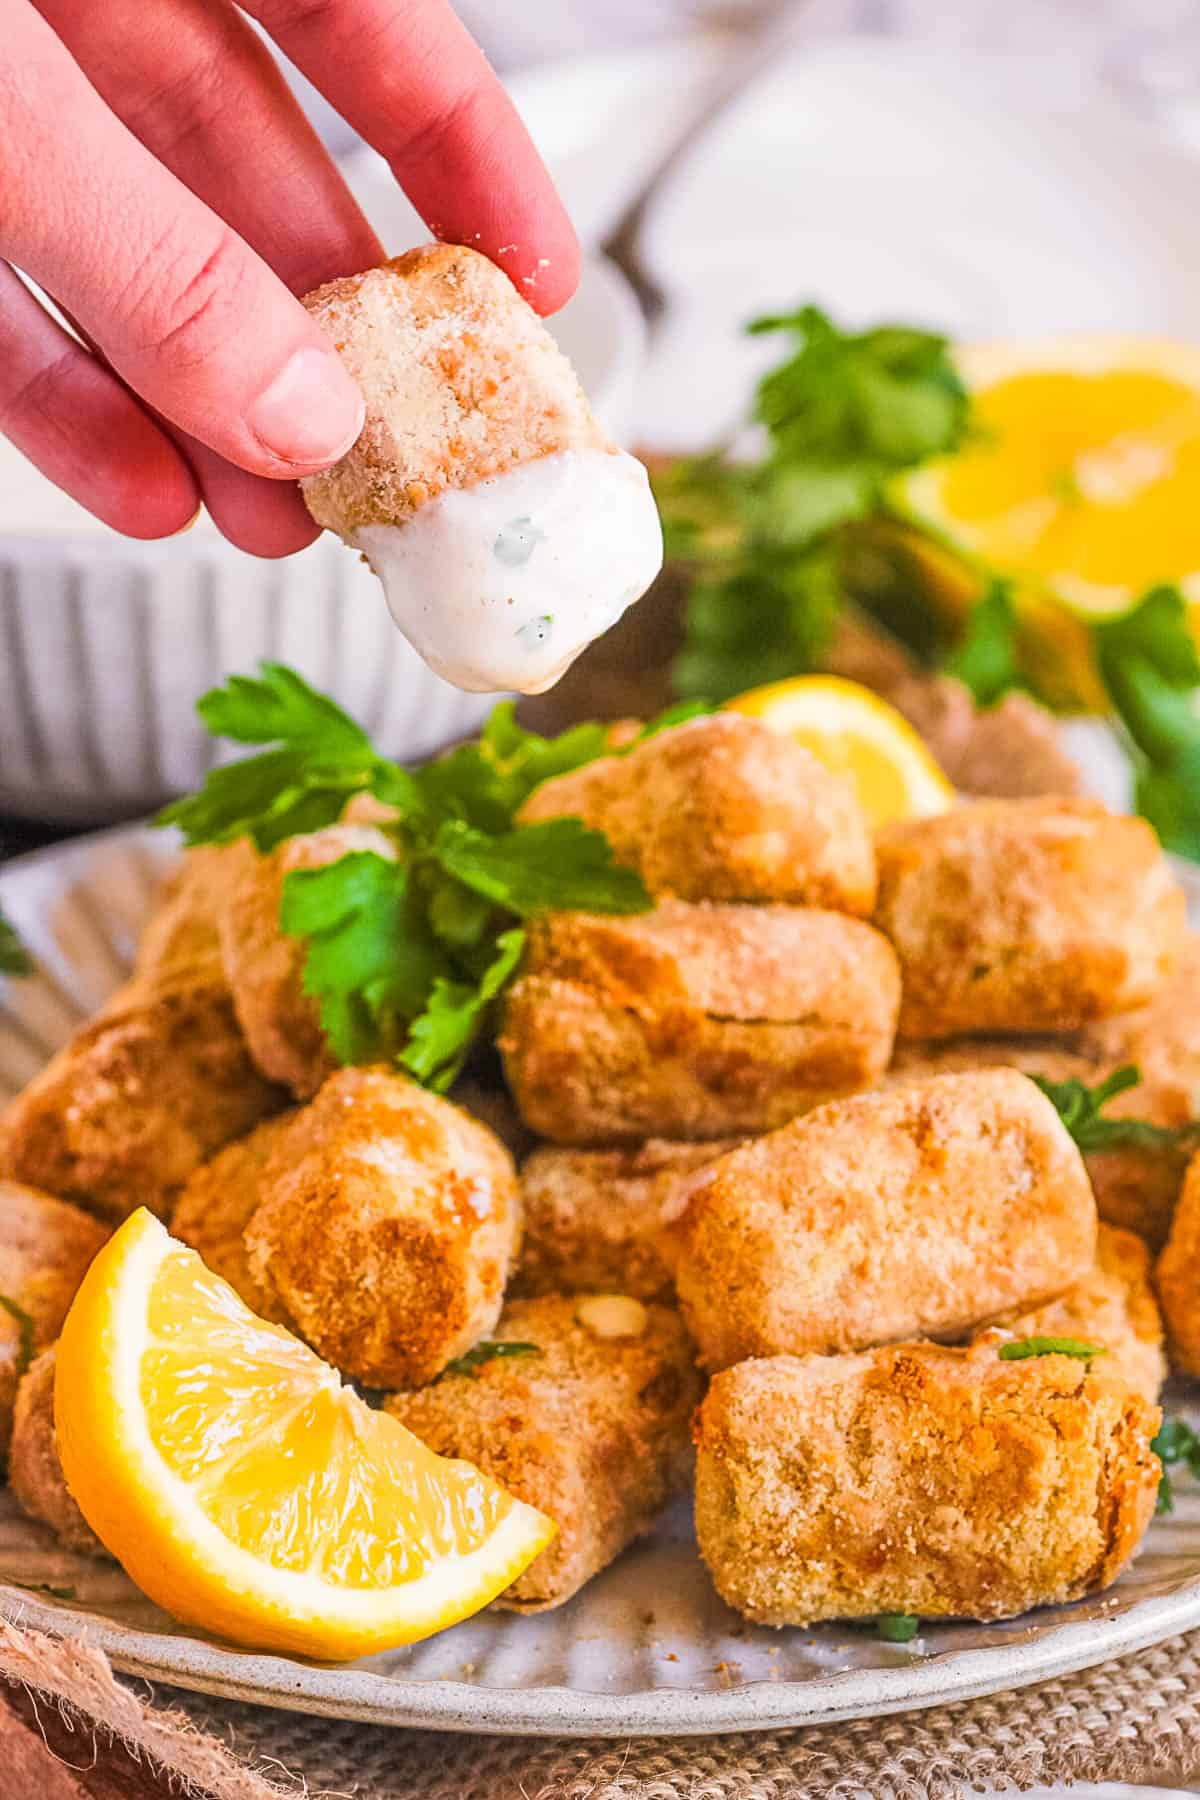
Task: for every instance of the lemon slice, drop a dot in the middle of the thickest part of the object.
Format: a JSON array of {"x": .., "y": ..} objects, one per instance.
[
  {"x": 1081, "y": 475},
  {"x": 249, "y": 1492},
  {"x": 853, "y": 731}
]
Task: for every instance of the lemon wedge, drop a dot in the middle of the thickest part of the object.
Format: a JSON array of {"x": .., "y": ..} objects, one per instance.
[
  {"x": 854, "y": 732},
  {"x": 1081, "y": 475},
  {"x": 244, "y": 1488}
]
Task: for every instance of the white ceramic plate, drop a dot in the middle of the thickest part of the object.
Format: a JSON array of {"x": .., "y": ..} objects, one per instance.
[{"x": 647, "y": 1647}]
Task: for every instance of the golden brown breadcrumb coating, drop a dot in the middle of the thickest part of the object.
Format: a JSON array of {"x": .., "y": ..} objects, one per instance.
[
  {"x": 126, "y": 1112},
  {"x": 179, "y": 941},
  {"x": 694, "y": 1021},
  {"x": 387, "y": 1224},
  {"x": 1025, "y": 915},
  {"x": 607, "y": 1219},
  {"x": 1135, "y": 1185},
  {"x": 593, "y": 1430},
  {"x": 919, "y": 1479},
  {"x": 1177, "y": 1277},
  {"x": 1113, "y": 1306},
  {"x": 34, "y": 1470},
  {"x": 723, "y": 808},
  {"x": 265, "y": 967},
  {"x": 217, "y": 1205},
  {"x": 46, "y": 1246},
  {"x": 923, "y": 1209},
  {"x": 462, "y": 381}
]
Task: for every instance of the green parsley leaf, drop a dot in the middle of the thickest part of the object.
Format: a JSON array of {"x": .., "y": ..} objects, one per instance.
[
  {"x": 490, "y": 1350},
  {"x": 1150, "y": 667},
  {"x": 883, "y": 400},
  {"x": 1174, "y": 1443},
  {"x": 322, "y": 760},
  {"x": 406, "y": 954},
  {"x": 1024, "y": 1348},
  {"x": 557, "y": 865},
  {"x": 26, "y": 1334},
  {"x": 14, "y": 959},
  {"x": 372, "y": 960},
  {"x": 898, "y": 1628},
  {"x": 441, "y": 1036},
  {"x": 986, "y": 660},
  {"x": 844, "y": 413},
  {"x": 768, "y": 616},
  {"x": 1080, "y": 1108}
]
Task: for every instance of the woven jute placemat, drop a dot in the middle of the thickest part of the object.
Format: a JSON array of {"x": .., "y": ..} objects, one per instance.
[{"x": 1134, "y": 1720}]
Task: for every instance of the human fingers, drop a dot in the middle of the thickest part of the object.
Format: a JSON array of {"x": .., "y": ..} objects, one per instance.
[
  {"x": 185, "y": 311},
  {"x": 199, "y": 88},
  {"x": 408, "y": 76},
  {"x": 83, "y": 429}
]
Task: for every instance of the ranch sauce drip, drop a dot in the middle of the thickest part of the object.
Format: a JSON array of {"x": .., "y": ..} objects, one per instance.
[{"x": 501, "y": 585}]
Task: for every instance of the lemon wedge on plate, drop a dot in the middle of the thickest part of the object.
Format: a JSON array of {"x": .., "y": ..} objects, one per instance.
[
  {"x": 853, "y": 731},
  {"x": 1081, "y": 474},
  {"x": 244, "y": 1488}
]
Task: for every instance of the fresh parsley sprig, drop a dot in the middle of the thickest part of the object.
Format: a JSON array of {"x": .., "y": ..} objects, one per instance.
[
  {"x": 898, "y": 1628},
  {"x": 408, "y": 948},
  {"x": 843, "y": 414},
  {"x": 1175, "y": 1443},
  {"x": 1023, "y": 1349},
  {"x": 1081, "y": 1109},
  {"x": 26, "y": 1334},
  {"x": 14, "y": 959},
  {"x": 490, "y": 1350},
  {"x": 1150, "y": 667}
]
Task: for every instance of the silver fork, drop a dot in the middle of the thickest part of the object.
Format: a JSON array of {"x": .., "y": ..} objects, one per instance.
[{"x": 781, "y": 26}]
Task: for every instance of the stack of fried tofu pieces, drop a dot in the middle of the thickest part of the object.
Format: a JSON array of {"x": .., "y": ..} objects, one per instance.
[{"x": 791, "y": 1191}]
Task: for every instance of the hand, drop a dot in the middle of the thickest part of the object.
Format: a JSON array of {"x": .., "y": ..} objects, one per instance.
[{"x": 162, "y": 185}]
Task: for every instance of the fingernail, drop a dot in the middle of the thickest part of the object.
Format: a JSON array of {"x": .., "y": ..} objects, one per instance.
[{"x": 311, "y": 413}]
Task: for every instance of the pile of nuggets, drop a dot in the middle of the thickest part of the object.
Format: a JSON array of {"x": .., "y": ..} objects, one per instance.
[{"x": 787, "y": 1188}]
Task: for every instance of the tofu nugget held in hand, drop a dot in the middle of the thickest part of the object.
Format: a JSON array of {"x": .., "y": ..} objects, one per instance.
[
  {"x": 507, "y": 531},
  {"x": 723, "y": 808},
  {"x": 387, "y": 1223},
  {"x": 918, "y": 1479},
  {"x": 589, "y": 1423},
  {"x": 694, "y": 1021},
  {"x": 922, "y": 1209},
  {"x": 1026, "y": 915}
]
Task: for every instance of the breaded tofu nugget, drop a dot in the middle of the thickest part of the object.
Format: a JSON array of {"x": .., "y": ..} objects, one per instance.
[
  {"x": 217, "y": 1205},
  {"x": 1113, "y": 1306},
  {"x": 46, "y": 1246},
  {"x": 1135, "y": 1184},
  {"x": 126, "y": 1112},
  {"x": 592, "y": 1428},
  {"x": 505, "y": 527},
  {"x": 598, "y": 1220},
  {"x": 919, "y": 1479},
  {"x": 723, "y": 808},
  {"x": 694, "y": 1021},
  {"x": 1025, "y": 915},
  {"x": 919, "y": 1210},
  {"x": 264, "y": 966},
  {"x": 34, "y": 1469},
  {"x": 387, "y": 1222},
  {"x": 180, "y": 940},
  {"x": 1177, "y": 1277}
]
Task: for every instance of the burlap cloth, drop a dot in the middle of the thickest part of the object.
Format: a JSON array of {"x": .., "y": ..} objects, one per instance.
[{"x": 1136, "y": 1719}]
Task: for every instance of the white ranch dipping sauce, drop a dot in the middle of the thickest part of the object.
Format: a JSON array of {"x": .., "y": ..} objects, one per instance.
[{"x": 501, "y": 585}]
